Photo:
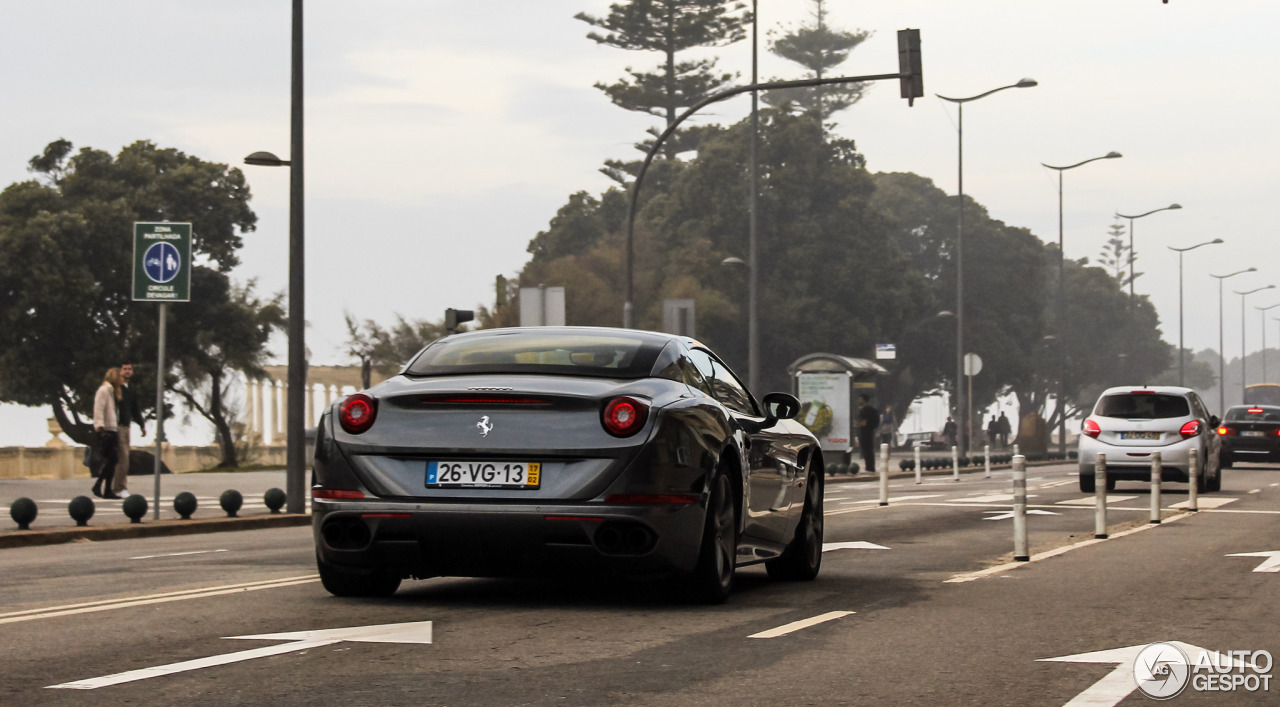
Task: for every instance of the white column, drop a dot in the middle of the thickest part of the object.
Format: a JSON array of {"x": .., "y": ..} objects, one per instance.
[
  {"x": 259, "y": 426},
  {"x": 278, "y": 390},
  {"x": 311, "y": 404}
]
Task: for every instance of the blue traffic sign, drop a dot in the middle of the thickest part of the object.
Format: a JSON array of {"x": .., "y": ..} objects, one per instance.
[{"x": 161, "y": 262}]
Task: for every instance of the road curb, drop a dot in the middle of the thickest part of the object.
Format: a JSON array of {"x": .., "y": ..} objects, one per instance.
[{"x": 159, "y": 528}]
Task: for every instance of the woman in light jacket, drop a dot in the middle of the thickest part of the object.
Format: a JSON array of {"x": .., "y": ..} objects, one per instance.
[{"x": 104, "y": 426}]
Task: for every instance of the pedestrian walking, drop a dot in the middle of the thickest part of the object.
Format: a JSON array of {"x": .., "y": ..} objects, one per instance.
[
  {"x": 105, "y": 429},
  {"x": 888, "y": 427},
  {"x": 868, "y": 421},
  {"x": 127, "y": 413},
  {"x": 993, "y": 430},
  {"x": 1004, "y": 430},
  {"x": 949, "y": 433}
]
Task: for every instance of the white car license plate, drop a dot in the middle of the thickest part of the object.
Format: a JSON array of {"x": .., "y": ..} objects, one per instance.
[
  {"x": 1252, "y": 433},
  {"x": 1140, "y": 435},
  {"x": 482, "y": 474}
]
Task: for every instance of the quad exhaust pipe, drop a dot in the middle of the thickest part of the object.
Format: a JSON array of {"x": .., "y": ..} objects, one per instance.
[{"x": 624, "y": 539}]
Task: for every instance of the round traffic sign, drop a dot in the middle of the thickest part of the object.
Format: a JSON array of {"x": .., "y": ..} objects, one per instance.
[
  {"x": 161, "y": 262},
  {"x": 972, "y": 364}
]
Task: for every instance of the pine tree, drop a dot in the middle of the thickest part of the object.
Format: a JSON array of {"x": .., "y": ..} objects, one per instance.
[
  {"x": 1116, "y": 258},
  {"x": 818, "y": 48},
  {"x": 671, "y": 28}
]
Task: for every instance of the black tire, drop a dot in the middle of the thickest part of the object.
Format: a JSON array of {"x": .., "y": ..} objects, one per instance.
[
  {"x": 1087, "y": 484},
  {"x": 378, "y": 583},
  {"x": 1214, "y": 483},
  {"x": 712, "y": 578},
  {"x": 803, "y": 557}
]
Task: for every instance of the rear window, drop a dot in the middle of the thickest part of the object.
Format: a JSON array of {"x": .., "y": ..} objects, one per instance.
[
  {"x": 605, "y": 356},
  {"x": 1253, "y": 414},
  {"x": 1142, "y": 406}
]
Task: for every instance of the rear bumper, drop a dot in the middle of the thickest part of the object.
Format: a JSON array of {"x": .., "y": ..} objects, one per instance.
[
  {"x": 1134, "y": 463},
  {"x": 505, "y": 540}
]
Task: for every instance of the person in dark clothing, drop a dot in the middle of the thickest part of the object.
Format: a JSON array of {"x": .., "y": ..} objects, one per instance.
[
  {"x": 949, "y": 433},
  {"x": 868, "y": 421},
  {"x": 1004, "y": 430}
]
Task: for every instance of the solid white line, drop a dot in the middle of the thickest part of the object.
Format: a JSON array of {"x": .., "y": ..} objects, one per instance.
[
  {"x": 971, "y": 576},
  {"x": 175, "y": 554},
  {"x": 1255, "y": 491},
  {"x": 799, "y": 625},
  {"x": 159, "y": 670},
  {"x": 108, "y": 604}
]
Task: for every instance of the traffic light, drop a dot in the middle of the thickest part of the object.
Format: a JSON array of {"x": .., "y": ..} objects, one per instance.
[
  {"x": 454, "y": 317},
  {"x": 912, "y": 79}
]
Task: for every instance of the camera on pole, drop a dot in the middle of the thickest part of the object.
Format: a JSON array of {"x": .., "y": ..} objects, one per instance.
[
  {"x": 454, "y": 317},
  {"x": 909, "y": 66}
]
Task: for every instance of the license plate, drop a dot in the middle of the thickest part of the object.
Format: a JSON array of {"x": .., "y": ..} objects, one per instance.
[
  {"x": 1252, "y": 433},
  {"x": 1140, "y": 435},
  {"x": 485, "y": 475}
]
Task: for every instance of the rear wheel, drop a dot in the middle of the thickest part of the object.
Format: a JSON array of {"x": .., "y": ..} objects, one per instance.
[
  {"x": 803, "y": 557},
  {"x": 712, "y": 578},
  {"x": 1087, "y": 483},
  {"x": 378, "y": 583}
]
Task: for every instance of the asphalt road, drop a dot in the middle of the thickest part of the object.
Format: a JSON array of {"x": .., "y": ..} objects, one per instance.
[{"x": 937, "y": 617}]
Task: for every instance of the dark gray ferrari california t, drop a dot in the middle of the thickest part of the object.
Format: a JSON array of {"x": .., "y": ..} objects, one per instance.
[{"x": 536, "y": 451}]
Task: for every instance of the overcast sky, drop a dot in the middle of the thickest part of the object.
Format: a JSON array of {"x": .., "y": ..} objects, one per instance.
[{"x": 443, "y": 134}]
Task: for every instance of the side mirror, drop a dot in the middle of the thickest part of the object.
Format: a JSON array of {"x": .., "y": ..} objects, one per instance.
[
  {"x": 781, "y": 406},
  {"x": 1214, "y": 421}
]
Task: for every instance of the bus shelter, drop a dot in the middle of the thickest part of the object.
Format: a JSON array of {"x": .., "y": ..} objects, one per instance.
[{"x": 827, "y": 386}]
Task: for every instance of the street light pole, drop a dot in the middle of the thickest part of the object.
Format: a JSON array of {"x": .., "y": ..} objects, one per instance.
[
  {"x": 1181, "y": 357},
  {"x": 1222, "y": 365},
  {"x": 1262, "y": 313},
  {"x": 1130, "y": 358},
  {"x": 1244, "y": 380},
  {"x": 753, "y": 270},
  {"x": 295, "y": 405},
  {"x": 962, "y": 406},
  {"x": 1062, "y": 357}
]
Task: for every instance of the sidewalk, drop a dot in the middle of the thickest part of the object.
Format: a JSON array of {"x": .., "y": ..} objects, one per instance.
[{"x": 54, "y": 525}]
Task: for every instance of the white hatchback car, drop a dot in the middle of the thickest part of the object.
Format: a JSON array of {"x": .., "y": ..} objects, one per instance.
[{"x": 1130, "y": 424}]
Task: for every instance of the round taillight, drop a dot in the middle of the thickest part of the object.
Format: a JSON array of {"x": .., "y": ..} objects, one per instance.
[
  {"x": 1224, "y": 431},
  {"x": 1092, "y": 429},
  {"x": 1189, "y": 430},
  {"x": 357, "y": 413},
  {"x": 624, "y": 417}
]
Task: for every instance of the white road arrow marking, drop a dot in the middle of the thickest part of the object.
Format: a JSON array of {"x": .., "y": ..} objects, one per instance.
[
  {"x": 1271, "y": 564},
  {"x": 415, "y": 632},
  {"x": 860, "y": 545},
  {"x": 1006, "y": 515},
  {"x": 1118, "y": 683}
]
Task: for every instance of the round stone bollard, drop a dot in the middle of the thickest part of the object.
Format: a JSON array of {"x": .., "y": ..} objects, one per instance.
[
  {"x": 135, "y": 507},
  {"x": 23, "y": 511},
  {"x": 81, "y": 510},
  {"x": 185, "y": 504},
  {"x": 231, "y": 501},
  {"x": 274, "y": 499}
]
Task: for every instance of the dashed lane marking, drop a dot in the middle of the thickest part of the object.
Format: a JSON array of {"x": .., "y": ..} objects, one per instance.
[
  {"x": 1206, "y": 502},
  {"x": 176, "y": 554},
  {"x": 1091, "y": 500},
  {"x": 896, "y": 499},
  {"x": 799, "y": 625}
]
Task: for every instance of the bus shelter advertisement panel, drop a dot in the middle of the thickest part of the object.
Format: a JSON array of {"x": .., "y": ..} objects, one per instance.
[{"x": 824, "y": 408}]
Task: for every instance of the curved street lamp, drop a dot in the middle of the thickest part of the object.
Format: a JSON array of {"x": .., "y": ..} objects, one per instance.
[
  {"x": 1244, "y": 381},
  {"x": 1062, "y": 361},
  {"x": 1180, "y": 251},
  {"x": 1262, "y": 311},
  {"x": 962, "y": 406},
  {"x": 1222, "y": 366},
  {"x": 1132, "y": 256}
]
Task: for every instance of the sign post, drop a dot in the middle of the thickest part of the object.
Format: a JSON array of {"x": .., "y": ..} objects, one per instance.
[{"x": 161, "y": 273}]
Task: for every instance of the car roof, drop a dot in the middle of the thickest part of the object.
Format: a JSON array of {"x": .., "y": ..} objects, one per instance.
[
  {"x": 653, "y": 337},
  {"x": 1157, "y": 389}
]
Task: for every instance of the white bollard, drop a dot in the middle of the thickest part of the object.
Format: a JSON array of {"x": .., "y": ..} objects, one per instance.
[
  {"x": 1157, "y": 469},
  {"x": 884, "y": 474},
  {"x": 1193, "y": 477},
  {"x": 1020, "y": 553},
  {"x": 1016, "y": 452},
  {"x": 955, "y": 463},
  {"x": 919, "y": 480},
  {"x": 1100, "y": 497},
  {"x": 986, "y": 453}
]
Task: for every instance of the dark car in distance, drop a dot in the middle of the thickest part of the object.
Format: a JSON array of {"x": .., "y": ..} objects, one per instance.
[
  {"x": 1250, "y": 433},
  {"x": 547, "y": 451}
]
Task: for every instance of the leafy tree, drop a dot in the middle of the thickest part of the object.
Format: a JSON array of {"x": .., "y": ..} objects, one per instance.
[
  {"x": 670, "y": 28},
  {"x": 818, "y": 48},
  {"x": 66, "y": 313},
  {"x": 227, "y": 328}
]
